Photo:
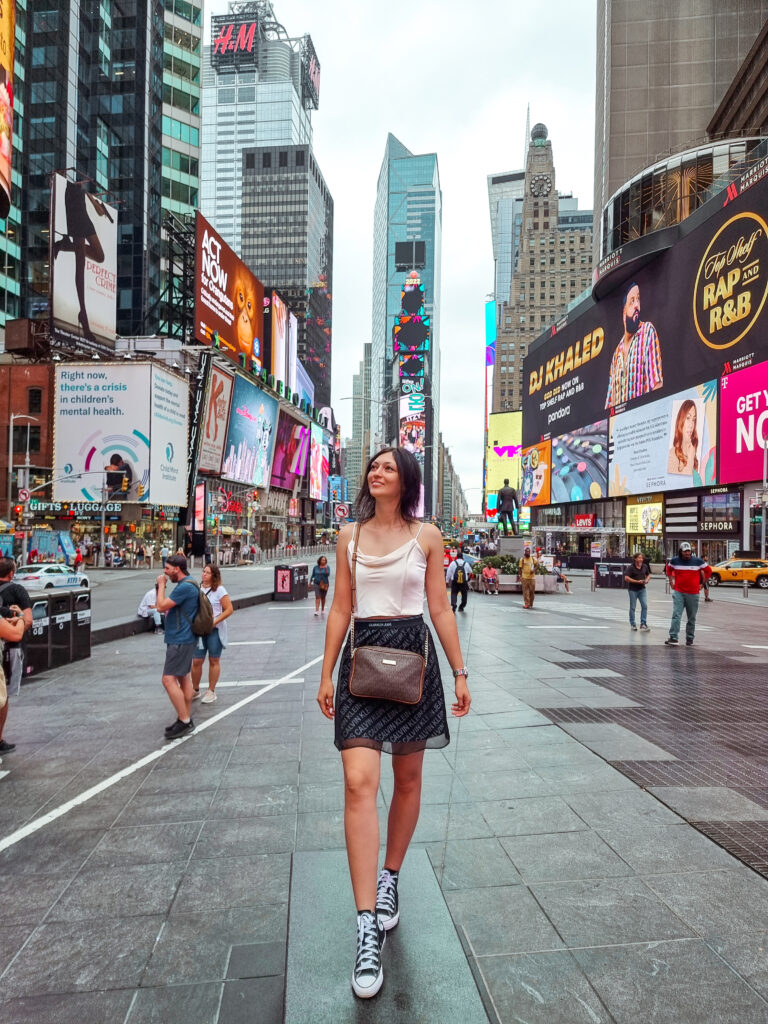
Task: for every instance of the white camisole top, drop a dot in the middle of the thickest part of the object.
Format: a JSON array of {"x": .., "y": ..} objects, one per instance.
[{"x": 390, "y": 584}]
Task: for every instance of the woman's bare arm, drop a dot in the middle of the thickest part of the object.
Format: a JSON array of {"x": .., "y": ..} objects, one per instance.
[
  {"x": 338, "y": 622},
  {"x": 443, "y": 618}
]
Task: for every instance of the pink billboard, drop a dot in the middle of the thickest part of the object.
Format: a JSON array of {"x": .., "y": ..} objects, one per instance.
[{"x": 743, "y": 424}]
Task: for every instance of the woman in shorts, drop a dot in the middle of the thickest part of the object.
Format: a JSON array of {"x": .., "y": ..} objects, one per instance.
[
  {"x": 321, "y": 576},
  {"x": 216, "y": 641}
]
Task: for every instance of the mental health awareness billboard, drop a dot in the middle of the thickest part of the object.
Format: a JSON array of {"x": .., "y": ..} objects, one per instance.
[
  {"x": 83, "y": 281},
  {"x": 694, "y": 312},
  {"x": 120, "y": 433},
  {"x": 250, "y": 436},
  {"x": 743, "y": 424},
  {"x": 229, "y": 300}
]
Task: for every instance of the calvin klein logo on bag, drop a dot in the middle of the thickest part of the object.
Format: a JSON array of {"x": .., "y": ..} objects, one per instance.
[{"x": 388, "y": 661}]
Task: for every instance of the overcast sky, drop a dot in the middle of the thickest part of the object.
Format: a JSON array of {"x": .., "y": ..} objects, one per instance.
[{"x": 455, "y": 79}]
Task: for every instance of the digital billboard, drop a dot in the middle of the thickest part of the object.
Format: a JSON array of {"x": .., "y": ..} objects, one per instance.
[
  {"x": 316, "y": 462},
  {"x": 690, "y": 314},
  {"x": 250, "y": 435},
  {"x": 83, "y": 279},
  {"x": 292, "y": 350},
  {"x": 670, "y": 444},
  {"x": 291, "y": 452},
  {"x": 580, "y": 464},
  {"x": 502, "y": 455},
  {"x": 234, "y": 42},
  {"x": 216, "y": 418},
  {"x": 229, "y": 300},
  {"x": 120, "y": 432},
  {"x": 304, "y": 385},
  {"x": 535, "y": 464},
  {"x": 278, "y": 337},
  {"x": 743, "y": 424},
  {"x": 646, "y": 518},
  {"x": 7, "y": 43}
]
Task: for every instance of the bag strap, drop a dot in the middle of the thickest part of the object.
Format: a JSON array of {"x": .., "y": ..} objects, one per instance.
[
  {"x": 6, "y": 585},
  {"x": 180, "y": 611},
  {"x": 354, "y": 587}
]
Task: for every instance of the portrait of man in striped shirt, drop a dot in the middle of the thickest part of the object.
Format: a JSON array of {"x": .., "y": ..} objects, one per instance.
[{"x": 636, "y": 363}]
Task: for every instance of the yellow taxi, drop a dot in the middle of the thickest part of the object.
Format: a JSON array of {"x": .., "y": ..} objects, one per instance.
[{"x": 736, "y": 570}]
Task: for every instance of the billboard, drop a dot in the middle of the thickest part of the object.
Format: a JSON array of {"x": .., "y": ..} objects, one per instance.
[
  {"x": 215, "y": 421},
  {"x": 293, "y": 352},
  {"x": 7, "y": 43},
  {"x": 310, "y": 75},
  {"x": 229, "y": 300},
  {"x": 278, "y": 335},
  {"x": 743, "y": 424},
  {"x": 670, "y": 444},
  {"x": 304, "y": 385},
  {"x": 234, "y": 42},
  {"x": 502, "y": 456},
  {"x": 83, "y": 263},
  {"x": 646, "y": 518},
  {"x": 291, "y": 452},
  {"x": 116, "y": 425},
  {"x": 693, "y": 312},
  {"x": 316, "y": 462},
  {"x": 250, "y": 435},
  {"x": 580, "y": 464},
  {"x": 535, "y": 463}
]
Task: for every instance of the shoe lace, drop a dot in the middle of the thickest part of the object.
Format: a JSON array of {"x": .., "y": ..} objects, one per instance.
[
  {"x": 368, "y": 946},
  {"x": 386, "y": 893}
]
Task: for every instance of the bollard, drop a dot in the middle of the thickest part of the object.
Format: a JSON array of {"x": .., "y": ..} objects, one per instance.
[
  {"x": 745, "y": 587},
  {"x": 666, "y": 585}
]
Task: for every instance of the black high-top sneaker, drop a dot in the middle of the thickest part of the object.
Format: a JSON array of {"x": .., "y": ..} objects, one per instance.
[
  {"x": 387, "y": 907},
  {"x": 368, "y": 975}
]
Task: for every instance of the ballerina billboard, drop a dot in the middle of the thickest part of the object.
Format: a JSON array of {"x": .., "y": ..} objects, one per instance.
[
  {"x": 83, "y": 264},
  {"x": 7, "y": 38}
]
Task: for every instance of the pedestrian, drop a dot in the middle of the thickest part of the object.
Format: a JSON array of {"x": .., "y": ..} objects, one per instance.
[
  {"x": 705, "y": 586},
  {"x": 458, "y": 575},
  {"x": 490, "y": 580},
  {"x": 507, "y": 504},
  {"x": 180, "y": 641},
  {"x": 636, "y": 578},
  {"x": 164, "y": 552},
  {"x": 685, "y": 571},
  {"x": 320, "y": 578},
  {"x": 214, "y": 643},
  {"x": 389, "y": 559},
  {"x": 148, "y": 609},
  {"x": 560, "y": 577},
  {"x": 16, "y": 608},
  {"x": 526, "y": 573}
]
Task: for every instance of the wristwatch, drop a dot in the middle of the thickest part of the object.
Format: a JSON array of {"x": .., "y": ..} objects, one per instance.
[{"x": 461, "y": 672}]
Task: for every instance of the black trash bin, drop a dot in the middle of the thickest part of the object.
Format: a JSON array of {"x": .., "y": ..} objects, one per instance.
[
  {"x": 81, "y": 625},
  {"x": 618, "y": 570},
  {"x": 602, "y": 575},
  {"x": 283, "y": 589},
  {"x": 300, "y": 581},
  {"x": 38, "y": 638},
  {"x": 60, "y": 612}
]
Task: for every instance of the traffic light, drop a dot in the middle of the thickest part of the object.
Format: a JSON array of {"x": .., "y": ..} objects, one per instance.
[
  {"x": 124, "y": 483},
  {"x": 141, "y": 491},
  {"x": 335, "y": 495},
  {"x": 18, "y": 511}
]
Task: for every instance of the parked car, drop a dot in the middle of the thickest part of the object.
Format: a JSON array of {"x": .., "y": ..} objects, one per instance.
[
  {"x": 736, "y": 570},
  {"x": 45, "y": 575}
]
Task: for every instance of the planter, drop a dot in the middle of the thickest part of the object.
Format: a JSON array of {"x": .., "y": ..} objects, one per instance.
[
  {"x": 509, "y": 584},
  {"x": 546, "y": 585}
]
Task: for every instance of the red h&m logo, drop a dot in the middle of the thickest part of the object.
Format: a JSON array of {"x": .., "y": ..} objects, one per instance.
[
  {"x": 242, "y": 43},
  {"x": 733, "y": 191}
]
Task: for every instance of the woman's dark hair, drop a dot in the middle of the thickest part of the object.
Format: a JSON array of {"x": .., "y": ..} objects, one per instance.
[
  {"x": 410, "y": 485},
  {"x": 322, "y": 558},
  {"x": 215, "y": 575}
]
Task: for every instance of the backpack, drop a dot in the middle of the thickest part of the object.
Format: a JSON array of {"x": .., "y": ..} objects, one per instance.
[
  {"x": 461, "y": 577},
  {"x": 202, "y": 623}
]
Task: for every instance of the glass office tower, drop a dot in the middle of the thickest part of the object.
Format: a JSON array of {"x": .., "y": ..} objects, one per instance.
[
  {"x": 408, "y": 210},
  {"x": 10, "y": 228}
]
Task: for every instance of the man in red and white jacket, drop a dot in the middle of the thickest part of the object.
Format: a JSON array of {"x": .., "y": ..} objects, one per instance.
[{"x": 686, "y": 572}]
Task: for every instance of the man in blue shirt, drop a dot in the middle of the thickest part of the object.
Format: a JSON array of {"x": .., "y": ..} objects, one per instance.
[{"x": 180, "y": 641}]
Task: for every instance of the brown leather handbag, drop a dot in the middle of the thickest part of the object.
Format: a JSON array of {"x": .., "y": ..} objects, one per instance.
[{"x": 384, "y": 673}]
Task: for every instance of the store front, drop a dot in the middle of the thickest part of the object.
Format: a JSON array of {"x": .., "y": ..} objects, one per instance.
[
  {"x": 644, "y": 522},
  {"x": 583, "y": 532},
  {"x": 711, "y": 520}
]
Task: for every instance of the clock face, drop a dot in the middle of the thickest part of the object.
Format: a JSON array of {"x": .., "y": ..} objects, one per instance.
[{"x": 541, "y": 185}]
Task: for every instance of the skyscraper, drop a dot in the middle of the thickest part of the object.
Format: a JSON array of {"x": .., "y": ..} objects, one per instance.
[
  {"x": 407, "y": 246},
  {"x": 662, "y": 70},
  {"x": 552, "y": 266},
  {"x": 10, "y": 235},
  {"x": 259, "y": 89},
  {"x": 505, "y": 202}
]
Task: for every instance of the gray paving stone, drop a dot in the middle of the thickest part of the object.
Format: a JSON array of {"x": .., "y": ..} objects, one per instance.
[
  {"x": 473, "y": 863},
  {"x": 197, "y": 947},
  {"x": 608, "y": 910},
  {"x": 726, "y": 904},
  {"x": 748, "y": 956},
  {"x": 603, "y": 810},
  {"x": 710, "y": 803},
  {"x": 223, "y": 884},
  {"x": 180, "y": 780},
  {"x": 670, "y": 982},
  {"x": 29, "y": 898},
  {"x": 661, "y": 849},
  {"x": 127, "y": 891},
  {"x": 66, "y": 1008},
  {"x": 236, "y": 837},
  {"x": 70, "y": 956},
  {"x": 528, "y": 816},
  {"x": 426, "y": 975},
  {"x": 240, "y": 998},
  {"x": 181, "y": 1004},
  {"x": 257, "y": 960},
  {"x": 506, "y": 785},
  {"x": 541, "y": 988},
  {"x": 149, "y": 808},
  {"x": 497, "y": 921},
  {"x": 254, "y": 801},
  {"x": 145, "y": 844},
  {"x": 49, "y": 853},
  {"x": 12, "y": 938},
  {"x": 281, "y": 773},
  {"x": 562, "y": 856},
  {"x": 600, "y": 778}
]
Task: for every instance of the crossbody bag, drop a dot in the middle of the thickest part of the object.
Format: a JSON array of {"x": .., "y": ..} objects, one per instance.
[{"x": 384, "y": 673}]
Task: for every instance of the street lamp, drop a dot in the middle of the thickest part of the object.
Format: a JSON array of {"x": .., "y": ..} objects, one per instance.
[{"x": 16, "y": 416}]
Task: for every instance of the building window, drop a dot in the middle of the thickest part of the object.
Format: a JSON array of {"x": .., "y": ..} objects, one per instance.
[
  {"x": 283, "y": 158},
  {"x": 34, "y": 400},
  {"x": 20, "y": 438},
  {"x": 250, "y": 161},
  {"x": 266, "y": 159},
  {"x": 300, "y": 158}
]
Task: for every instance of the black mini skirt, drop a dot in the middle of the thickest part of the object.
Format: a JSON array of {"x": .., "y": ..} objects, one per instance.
[{"x": 383, "y": 724}]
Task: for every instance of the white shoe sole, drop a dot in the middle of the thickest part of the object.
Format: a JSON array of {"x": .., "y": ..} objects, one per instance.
[
  {"x": 209, "y": 699},
  {"x": 370, "y": 990},
  {"x": 390, "y": 923}
]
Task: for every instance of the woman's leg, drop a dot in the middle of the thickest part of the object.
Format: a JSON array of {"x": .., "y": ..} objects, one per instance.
[
  {"x": 317, "y": 601},
  {"x": 197, "y": 671},
  {"x": 405, "y": 807},
  {"x": 361, "y": 821},
  {"x": 214, "y": 670}
]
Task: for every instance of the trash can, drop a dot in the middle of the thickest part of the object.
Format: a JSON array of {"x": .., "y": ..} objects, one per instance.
[
  {"x": 81, "y": 625},
  {"x": 38, "y": 638},
  {"x": 602, "y": 575},
  {"x": 618, "y": 571},
  {"x": 60, "y": 613},
  {"x": 300, "y": 581},
  {"x": 283, "y": 584}
]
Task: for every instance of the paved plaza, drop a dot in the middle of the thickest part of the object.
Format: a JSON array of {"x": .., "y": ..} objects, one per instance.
[{"x": 590, "y": 847}]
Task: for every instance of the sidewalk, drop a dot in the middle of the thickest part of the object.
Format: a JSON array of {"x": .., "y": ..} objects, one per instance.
[{"x": 170, "y": 893}]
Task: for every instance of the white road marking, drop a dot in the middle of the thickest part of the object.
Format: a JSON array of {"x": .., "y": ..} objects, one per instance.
[
  {"x": 249, "y": 643},
  {"x": 756, "y": 647},
  {"x": 257, "y": 682},
  {"x": 88, "y": 794},
  {"x": 586, "y": 625},
  {"x": 293, "y": 608}
]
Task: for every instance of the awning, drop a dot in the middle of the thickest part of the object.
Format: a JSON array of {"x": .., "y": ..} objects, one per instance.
[{"x": 227, "y": 530}]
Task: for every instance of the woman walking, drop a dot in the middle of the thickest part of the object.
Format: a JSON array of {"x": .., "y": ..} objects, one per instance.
[
  {"x": 216, "y": 641},
  {"x": 321, "y": 576},
  {"x": 386, "y": 562}
]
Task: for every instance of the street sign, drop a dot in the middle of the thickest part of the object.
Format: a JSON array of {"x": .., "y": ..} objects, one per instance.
[
  {"x": 24, "y": 494},
  {"x": 342, "y": 511}
]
